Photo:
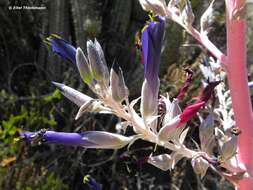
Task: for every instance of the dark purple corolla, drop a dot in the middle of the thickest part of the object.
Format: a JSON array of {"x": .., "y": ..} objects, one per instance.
[
  {"x": 62, "y": 47},
  {"x": 152, "y": 38},
  {"x": 88, "y": 139}
]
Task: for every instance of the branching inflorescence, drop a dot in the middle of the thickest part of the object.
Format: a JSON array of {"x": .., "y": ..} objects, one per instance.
[{"x": 161, "y": 120}]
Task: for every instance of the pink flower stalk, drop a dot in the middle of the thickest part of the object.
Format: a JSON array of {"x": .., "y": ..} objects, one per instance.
[{"x": 237, "y": 78}]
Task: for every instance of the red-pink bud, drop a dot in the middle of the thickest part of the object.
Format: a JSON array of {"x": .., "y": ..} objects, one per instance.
[{"x": 190, "y": 112}]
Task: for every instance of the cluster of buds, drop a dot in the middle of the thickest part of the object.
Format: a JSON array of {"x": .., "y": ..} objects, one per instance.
[{"x": 161, "y": 120}]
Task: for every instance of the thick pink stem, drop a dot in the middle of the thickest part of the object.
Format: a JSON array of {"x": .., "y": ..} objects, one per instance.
[{"x": 237, "y": 78}]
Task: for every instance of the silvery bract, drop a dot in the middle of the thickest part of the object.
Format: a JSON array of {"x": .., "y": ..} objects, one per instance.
[
  {"x": 162, "y": 161},
  {"x": 206, "y": 19},
  {"x": 188, "y": 15},
  {"x": 118, "y": 88},
  {"x": 206, "y": 134},
  {"x": 228, "y": 149},
  {"x": 156, "y": 6},
  {"x": 73, "y": 95},
  {"x": 167, "y": 130},
  {"x": 165, "y": 161},
  {"x": 200, "y": 166},
  {"x": 172, "y": 110}
]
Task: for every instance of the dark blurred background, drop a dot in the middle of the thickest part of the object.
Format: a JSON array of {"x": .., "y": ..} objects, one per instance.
[{"x": 28, "y": 100}]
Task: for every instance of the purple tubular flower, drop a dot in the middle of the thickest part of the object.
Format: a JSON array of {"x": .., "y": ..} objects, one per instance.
[
  {"x": 62, "y": 48},
  {"x": 88, "y": 139},
  {"x": 152, "y": 37},
  {"x": 52, "y": 137}
]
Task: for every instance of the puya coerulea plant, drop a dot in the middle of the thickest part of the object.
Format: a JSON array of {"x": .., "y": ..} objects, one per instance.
[{"x": 160, "y": 119}]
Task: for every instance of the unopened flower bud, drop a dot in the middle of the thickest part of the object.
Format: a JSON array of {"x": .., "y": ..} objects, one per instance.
[
  {"x": 97, "y": 61},
  {"x": 83, "y": 66},
  {"x": 118, "y": 88}
]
